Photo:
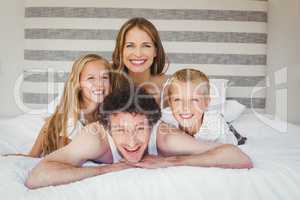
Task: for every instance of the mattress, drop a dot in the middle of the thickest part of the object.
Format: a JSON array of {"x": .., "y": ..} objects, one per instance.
[{"x": 275, "y": 155}]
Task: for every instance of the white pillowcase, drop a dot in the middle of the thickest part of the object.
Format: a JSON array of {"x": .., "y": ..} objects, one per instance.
[
  {"x": 232, "y": 110},
  {"x": 49, "y": 110},
  {"x": 217, "y": 94}
]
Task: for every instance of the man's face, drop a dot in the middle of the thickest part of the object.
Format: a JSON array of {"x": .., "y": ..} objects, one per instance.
[{"x": 131, "y": 133}]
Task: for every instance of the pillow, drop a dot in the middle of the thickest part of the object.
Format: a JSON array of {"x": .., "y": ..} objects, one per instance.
[
  {"x": 217, "y": 94},
  {"x": 49, "y": 110},
  {"x": 52, "y": 105},
  {"x": 19, "y": 133},
  {"x": 232, "y": 110}
]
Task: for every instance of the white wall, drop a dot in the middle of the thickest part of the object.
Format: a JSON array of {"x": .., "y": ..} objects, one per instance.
[
  {"x": 11, "y": 53},
  {"x": 284, "y": 52}
]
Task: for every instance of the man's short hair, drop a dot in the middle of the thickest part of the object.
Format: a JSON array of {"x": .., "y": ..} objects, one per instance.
[{"x": 129, "y": 100}]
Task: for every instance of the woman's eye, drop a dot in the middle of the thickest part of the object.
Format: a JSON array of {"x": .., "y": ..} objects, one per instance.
[
  {"x": 176, "y": 99},
  {"x": 89, "y": 78},
  {"x": 147, "y": 45},
  {"x": 128, "y": 45},
  {"x": 195, "y": 100}
]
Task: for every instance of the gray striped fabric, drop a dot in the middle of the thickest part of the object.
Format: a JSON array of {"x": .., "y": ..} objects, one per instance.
[
  {"x": 184, "y": 36},
  {"x": 229, "y": 43},
  {"x": 169, "y": 14}
]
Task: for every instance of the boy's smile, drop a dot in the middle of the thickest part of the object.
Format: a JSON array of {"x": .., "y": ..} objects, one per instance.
[
  {"x": 186, "y": 115},
  {"x": 188, "y": 104}
]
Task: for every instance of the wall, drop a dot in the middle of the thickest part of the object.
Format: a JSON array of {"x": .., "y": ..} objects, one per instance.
[
  {"x": 11, "y": 53},
  {"x": 226, "y": 43},
  {"x": 283, "y": 42},
  {"x": 283, "y": 53}
]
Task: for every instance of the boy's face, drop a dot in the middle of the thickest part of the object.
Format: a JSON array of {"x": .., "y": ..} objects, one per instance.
[
  {"x": 131, "y": 133},
  {"x": 188, "y": 102}
]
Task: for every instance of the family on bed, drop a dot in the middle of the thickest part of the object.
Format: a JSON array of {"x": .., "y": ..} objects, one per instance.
[{"x": 111, "y": 114}]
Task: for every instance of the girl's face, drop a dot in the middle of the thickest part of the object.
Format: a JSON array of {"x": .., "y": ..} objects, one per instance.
[
  {"x": 94, "y": 82},
  {"x": 139, "y": 51}
]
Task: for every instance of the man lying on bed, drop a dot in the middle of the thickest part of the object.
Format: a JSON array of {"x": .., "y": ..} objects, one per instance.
[{"x": 129, "y": 134}]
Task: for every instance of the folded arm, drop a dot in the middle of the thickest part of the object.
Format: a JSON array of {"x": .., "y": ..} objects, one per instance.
[
  {"x": 64, "y": 165},
  {"x": 57, "y": 173},
  {"x": 179, "y": 148}
]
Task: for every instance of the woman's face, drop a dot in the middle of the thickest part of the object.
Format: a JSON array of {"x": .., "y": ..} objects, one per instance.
[
  {"x": 139, "y": 51},
  {"x": 94, "y": 82}
]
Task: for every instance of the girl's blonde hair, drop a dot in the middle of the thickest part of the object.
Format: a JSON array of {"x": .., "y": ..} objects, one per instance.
[
  {"x": 159, "y": 63},
  {"x": 55, "y": 129}
]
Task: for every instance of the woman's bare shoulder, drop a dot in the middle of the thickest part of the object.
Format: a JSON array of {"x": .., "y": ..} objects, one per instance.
[{"x": 159, "y": 79}]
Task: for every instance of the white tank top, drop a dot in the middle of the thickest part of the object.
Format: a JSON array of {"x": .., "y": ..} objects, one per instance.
[{"x": 152, "y": 147}]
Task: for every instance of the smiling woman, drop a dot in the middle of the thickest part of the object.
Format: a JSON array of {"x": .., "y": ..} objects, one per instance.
[{"x": 139, "y": 54}]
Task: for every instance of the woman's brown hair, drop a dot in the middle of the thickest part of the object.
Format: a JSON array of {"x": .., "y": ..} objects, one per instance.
[{"x": 159, "y": 63}]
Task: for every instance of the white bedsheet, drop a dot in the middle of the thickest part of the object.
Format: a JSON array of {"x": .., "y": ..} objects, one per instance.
[
  {"x": 276, "y": 172},
  {"x": 18, "y": 134}
]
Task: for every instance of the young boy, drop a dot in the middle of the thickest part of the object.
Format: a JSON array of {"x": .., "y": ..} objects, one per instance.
[{"x": 189, "y": 98}]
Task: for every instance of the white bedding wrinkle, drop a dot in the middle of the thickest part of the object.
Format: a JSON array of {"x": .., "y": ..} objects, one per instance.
[
  {"x": 275, "y": 174},
  {"x": 18, "y": 134}
]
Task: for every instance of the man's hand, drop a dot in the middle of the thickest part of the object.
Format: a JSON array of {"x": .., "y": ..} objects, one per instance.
[
  {"x": 116, "y": 167},
  {"x": 153, "y": 162}
]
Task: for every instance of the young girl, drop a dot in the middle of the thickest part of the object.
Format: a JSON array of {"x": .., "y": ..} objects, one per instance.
[
  {"x": 86, "y": 87},
  {"x": 140, "y": 57}
]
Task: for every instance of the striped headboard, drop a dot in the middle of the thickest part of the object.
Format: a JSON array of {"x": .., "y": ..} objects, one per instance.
[{"x": 225, "y": 39}]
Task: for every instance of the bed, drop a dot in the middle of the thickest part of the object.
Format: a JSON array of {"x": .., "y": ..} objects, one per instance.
[{"x": 276, "y": 172}]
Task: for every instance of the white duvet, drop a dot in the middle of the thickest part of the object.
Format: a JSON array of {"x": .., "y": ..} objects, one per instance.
[{"x": 276, "y": 172}]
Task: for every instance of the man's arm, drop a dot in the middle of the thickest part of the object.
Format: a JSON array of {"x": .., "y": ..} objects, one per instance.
[
  {"x": 64, "y": 165},
  {"x": 182, "y": 149}
]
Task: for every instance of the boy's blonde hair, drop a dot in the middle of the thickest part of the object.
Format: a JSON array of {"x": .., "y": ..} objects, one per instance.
[{"x": 190, "y": 75}]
